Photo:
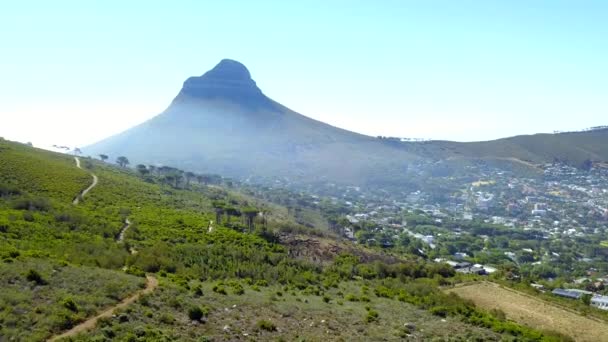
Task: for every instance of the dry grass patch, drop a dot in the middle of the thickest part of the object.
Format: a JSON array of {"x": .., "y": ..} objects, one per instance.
[{"x": 533, "y": 312}]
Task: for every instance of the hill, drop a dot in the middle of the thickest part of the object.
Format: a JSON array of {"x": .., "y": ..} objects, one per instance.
[
  {"x": 573, "y": 148},
  {"x": 232, "y": 278}
]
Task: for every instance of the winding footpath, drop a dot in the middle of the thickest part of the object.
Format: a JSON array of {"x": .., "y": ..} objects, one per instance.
[
  {"x": 151, "y": 285},
  {"x": 85, "y": 191},
  {"x": 151, "y": 281},
  {"x": 121, "y": 235}
]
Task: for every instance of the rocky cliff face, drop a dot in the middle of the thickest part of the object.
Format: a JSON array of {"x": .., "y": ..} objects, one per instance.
[{"x": 229, "y": 80}]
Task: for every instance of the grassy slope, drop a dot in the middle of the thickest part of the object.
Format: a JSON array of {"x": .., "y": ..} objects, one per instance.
[
  {"x": 296, "y": 316},
  {"x": 170, "y": 234},
  {"x": 32, "y": 312}
]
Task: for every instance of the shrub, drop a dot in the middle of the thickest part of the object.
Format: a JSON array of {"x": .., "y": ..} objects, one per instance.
[
  {"x": 266, "y": 325},
  {"x": 33, "y": 275},
  {"x": 219, "y": 289},
  {"x": 440, "y": 311},
  {"x": 351, "y": 298},
  {"x": 69, "y": 304},
  {"x": 371, "y": 316},
  {"x": 195, "y": 313},
  {"x": 33, "y": 204},
  {"x": 8, "y": 190},
  {"x": 237, "y": 289},
  {"x": 326, "y": 299},
  {"x": 167, "y": 318},
  {"x": 261, "y": 282},
  {"x": 383, "y": 291},
  {"x": 28, "y": 216}
]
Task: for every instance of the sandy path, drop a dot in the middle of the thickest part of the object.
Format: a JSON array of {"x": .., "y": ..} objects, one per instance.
[
  {"x": 121, "y": 235},
  {"x": 85, "y": 191},
  {"x": 90, "y": 323}
]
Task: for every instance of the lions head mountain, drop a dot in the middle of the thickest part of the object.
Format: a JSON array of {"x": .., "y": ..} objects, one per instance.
[{"x": 221, "y": 122}]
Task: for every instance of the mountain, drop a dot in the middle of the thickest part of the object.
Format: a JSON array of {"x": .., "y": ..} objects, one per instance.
[{"x": 222, "y": 122}]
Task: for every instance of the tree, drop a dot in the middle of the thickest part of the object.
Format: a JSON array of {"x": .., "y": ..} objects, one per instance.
[
  {"x": 250, "y": 214},
  {"x": 77, "y": 151},
  {"x": 103, "y": 157},
  {"x": 219, "y": 211},
  {"x": 122, "y": 161},
  {"x": 586, "y": 298},
  {"x": 231, "y": 211},
  {"x": 189, "y": 176},
  {"x": 142, "y": 169}
]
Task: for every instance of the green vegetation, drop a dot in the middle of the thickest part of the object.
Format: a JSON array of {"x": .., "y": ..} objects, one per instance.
[
  {"x": 41, "y": 297},
  {"x": 222, "y": 265}
]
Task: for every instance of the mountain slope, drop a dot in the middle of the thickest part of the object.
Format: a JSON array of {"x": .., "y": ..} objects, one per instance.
[
  {"x": 573, "y": 148},
  {"x": 62, "y": 264},
  {"x": 221, "y": 122}
]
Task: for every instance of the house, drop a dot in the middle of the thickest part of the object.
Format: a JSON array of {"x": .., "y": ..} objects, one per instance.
[
  {"x": 570, "y": 293},
  {"x": 472, "y": 270},
  {"x": 600, "y": 302},
  {"x": 463, "y": 264},
  {"x": 460, "y": 255},
  {"x": 539, "y": 287}
]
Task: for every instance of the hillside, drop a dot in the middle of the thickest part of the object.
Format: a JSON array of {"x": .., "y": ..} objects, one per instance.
[
  {"x": 572, "y": 148},
  {"x": 63, "y": 263}
]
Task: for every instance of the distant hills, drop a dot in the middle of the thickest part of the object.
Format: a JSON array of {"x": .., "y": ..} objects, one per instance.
[{"x": 221, "y": 122}]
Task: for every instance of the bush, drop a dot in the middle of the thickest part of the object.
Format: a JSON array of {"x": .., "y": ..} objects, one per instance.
[
  {"x": 371, "y": 316},
  {"x": 351, "y": 298},
  {"x": 33, "y": 204},
  {"x": 8, "y": 190},
  {"x": 266, "y": 325},
  {"x": 28, "y": 216},
  {"x": 237, "y": 289},
  {"x": 69, "y": 304},
  {"x": 167, "y": 318},
  {"x": 440, "y": 311},
  {"x": 326, "y": 299},
  {"x": 383, "y": 291},
  {"x": 195, "y": 313},
  {"x": 33, "y": 275},
  {"x": 219, "y": 289}
]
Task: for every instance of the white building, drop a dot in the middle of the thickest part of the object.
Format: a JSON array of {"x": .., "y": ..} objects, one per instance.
[{"x": 600, "y": 302}]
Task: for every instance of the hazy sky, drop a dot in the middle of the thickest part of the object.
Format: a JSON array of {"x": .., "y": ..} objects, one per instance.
[{"x": 73, "y": 72}]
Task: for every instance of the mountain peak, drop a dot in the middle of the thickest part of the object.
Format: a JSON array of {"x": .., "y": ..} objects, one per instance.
[
  {"x": 228, "y": 80},
  {"x": 228, "y": 69}
]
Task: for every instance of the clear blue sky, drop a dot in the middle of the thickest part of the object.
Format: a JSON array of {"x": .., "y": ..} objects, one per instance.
[{"x": 73, "y": 72}]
